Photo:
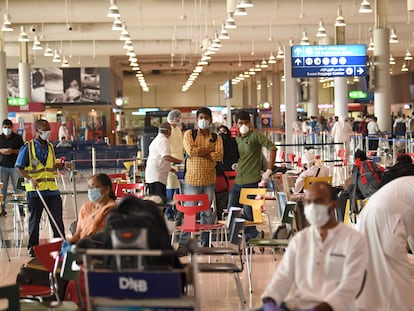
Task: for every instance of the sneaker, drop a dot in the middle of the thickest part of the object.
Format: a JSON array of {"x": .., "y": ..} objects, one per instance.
[
  {"x": 182, "y": 251},
  {"x": 3, "y": 213},
  {"x": 31, "y": 252}
]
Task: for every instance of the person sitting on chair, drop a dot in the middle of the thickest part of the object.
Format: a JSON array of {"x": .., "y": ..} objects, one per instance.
[
  {"x": 324, "y": 265},
  {"x": 92, "y": 215},
  {"x": 316, "y": 169}
]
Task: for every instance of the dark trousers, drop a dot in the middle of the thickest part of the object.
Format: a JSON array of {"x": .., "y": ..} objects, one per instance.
[
  {"x": 157, "y": 188},
  {"x": 35, "y": 206},
  {"x": 250, "y": 232}
]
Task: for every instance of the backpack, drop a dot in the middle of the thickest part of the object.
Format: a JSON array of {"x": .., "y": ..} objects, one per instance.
[{"x": 366, "y": 180}]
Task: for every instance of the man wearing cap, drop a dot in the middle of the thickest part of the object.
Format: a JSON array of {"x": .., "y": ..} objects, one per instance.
[
  {"x": 177, "y": 151},
  {"x": 63, "y": 131},
  {"x": 10, "y": 144},
  {"x": 159, "y": 161}
]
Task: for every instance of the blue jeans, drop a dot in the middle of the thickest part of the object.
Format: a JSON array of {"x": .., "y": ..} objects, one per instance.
[
  {"x": 206, "y": 217},
  {"x": 5, "y": 173},
  {"x": 250, "y": 232}
]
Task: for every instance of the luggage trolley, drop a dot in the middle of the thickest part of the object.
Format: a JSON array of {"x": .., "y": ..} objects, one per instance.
[{"x": 137, "y": 286}]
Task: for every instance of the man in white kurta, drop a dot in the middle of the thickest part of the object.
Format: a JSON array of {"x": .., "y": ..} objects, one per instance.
[
  {"x": 159, "y": 162},
  {"x": 388, "y": 222},
  {"x": 177, "y": 151},
  {"x": 324, "y": 264}
]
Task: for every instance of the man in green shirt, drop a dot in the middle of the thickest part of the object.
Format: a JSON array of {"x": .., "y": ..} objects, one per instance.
[{"x": 250, "y": 143}]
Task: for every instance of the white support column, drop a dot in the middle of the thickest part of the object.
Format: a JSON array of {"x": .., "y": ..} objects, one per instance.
[
  {"x": 290, "y": 97},
  {"x": 341, "y": 97},
  {"x": 24, "y": 72},
  {"x": 382, "y": 93},
  {"x": 313, "y": 97},
  {"x": 276, "y": 100},
  {"x": 253, "y": 93},
  {"x": 3, "y": 85}
]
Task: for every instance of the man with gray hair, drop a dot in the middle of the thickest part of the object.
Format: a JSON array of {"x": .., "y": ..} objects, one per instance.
[
  {"x": 177, "y": 151},
  {"x": 159, "y": 162}
]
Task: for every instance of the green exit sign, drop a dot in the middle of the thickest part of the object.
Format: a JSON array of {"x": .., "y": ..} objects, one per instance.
[
  {"x": 357, "y": 94},
  {"x": 16, "y": 101}
]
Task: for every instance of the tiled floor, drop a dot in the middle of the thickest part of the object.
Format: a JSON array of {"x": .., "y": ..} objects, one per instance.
[{"x": 214, "y": 291}]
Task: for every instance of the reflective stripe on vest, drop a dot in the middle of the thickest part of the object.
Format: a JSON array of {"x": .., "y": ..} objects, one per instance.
[{"x": 44, "y": 175}]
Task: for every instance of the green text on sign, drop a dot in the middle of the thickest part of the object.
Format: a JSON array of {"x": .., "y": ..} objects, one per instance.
[{"x": 16, "y": 101}]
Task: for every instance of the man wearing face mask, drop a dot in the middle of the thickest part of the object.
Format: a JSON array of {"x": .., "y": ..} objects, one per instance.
[
  {"x": 203, "y": 150},
  {"x": 177, "y": 151},
  {"x": 324, "y": 265},
  {"x": 36, "y": 162},
  {"x": 249, "y": 144},
  {"x": 10, "y": 144}
]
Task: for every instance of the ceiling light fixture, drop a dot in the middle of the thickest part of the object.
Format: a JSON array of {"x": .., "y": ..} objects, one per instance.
[
  {"x": 321, "y": 30},
  {"x": 245, "y": 4},
  {"x": 365, "y": 7},
  {"x": 404, "y": 67},
  {"x": 408, "y": 56},
  {"x": 224, "y": 34},
  {"x": 393, "y": 36},
  {"x": 240, "y": 12},
  {"x": 36, "y": 44},
  {"x": 56, "y": 57},
  {"x": 124, "y": 34},
  {"x": 65, "y": 62},
  {"x": 48, "y": 51},
  {"x": 280, "y": 53},
  {"x": 272, "y": 59},
  {"x": 392, "y": 60},
  {"x": 113, "y": 10},
  {"x": 230, "y": 22},
  {"x": 6, "y": 23},
  {"x": 305, "y": 39},
  {"x": 23, "y": 35},
  {"x": 340, "y": 21},
  {"x": 6, "y": 19},
  {"x": 117, "y": 24},
  {"x": 264, "y": 64}
]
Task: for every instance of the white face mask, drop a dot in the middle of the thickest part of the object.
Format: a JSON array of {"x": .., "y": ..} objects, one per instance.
[
  {"x": 203, "y": 124},
  {"x": 244, "y": 129},
  {"x": 44, "y": 135},
  {"x": 317, "y": 214},
  {"x": 7, "y": 131}
]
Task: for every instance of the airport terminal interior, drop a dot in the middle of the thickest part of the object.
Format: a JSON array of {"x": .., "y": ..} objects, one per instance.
[{"x": 112, "y": 70}]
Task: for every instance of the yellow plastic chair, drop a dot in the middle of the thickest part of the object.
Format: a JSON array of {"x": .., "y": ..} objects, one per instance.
[
  {"x": 311, "y": 180},
  {"x": 255, "y": 197}
]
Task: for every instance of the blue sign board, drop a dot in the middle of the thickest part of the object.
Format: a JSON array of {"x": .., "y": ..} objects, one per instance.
[{"x": 327, "y": 61}]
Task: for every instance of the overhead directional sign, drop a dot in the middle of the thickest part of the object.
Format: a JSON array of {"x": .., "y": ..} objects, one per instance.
[{"x": 318, "y": 61}]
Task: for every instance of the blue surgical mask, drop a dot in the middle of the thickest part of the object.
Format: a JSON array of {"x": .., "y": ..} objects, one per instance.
[
  {"x": 7, "y": 131},
  {"x": 203, "y": 124},
  {"x": 45, "y": 135},
  {"x": 95, "y": 195}
]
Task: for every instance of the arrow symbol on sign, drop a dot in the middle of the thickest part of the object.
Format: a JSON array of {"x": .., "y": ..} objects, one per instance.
[
  {"x": 360, "y": 71},
  {"x": 297, "y": 61},
  {"x": 298, "y": 50}
]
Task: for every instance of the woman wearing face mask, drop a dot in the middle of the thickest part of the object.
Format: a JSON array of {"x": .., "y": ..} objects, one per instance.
[{"x": 92, "y": 215}]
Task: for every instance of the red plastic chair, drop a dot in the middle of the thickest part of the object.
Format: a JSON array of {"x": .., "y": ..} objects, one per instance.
[
  {"x": 48, "y": 255},
  {"x": 123, "y": 190},
  {"x": 199, "y": 203},
  {"x": 342, "y": 154}
]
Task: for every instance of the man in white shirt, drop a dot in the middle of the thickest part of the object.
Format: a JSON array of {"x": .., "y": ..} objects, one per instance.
[
  {"x": 324, "y": 265},
  {"x": 316, "y": 169},
  {"x": 159, "y": 162},
  {"x": 388, "y": 223},
  {"x": 63, "y": 131},
  {"x": 373, "y": 133}
]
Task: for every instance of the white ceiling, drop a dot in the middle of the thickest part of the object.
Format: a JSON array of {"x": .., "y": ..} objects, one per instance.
[{"x": 160, "y": 28}]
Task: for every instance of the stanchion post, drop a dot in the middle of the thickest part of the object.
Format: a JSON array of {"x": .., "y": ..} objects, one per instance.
[{"x": 93, "y": 161}]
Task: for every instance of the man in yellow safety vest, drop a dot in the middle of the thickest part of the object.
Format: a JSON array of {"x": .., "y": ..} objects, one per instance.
[{"x": 36, "y": 162}]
